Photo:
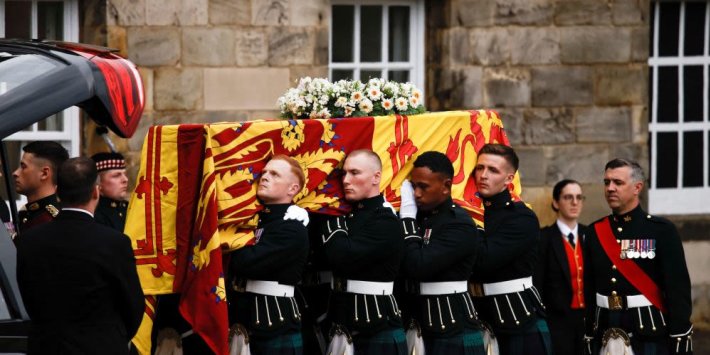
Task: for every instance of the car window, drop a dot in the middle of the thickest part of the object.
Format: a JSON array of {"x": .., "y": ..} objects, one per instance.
[
  {"x": 4, "y": 308},
  {"x": 16, "y": 70}
]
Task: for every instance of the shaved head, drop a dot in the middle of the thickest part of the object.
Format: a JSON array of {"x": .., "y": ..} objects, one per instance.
[{"x": 371, "y": 157}]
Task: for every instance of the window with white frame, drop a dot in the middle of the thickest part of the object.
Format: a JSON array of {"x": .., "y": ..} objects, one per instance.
[
  {"x": 377, "y": 39},
  {"x": 679, "y": 129},
  {"x": 48, "y": 19}
]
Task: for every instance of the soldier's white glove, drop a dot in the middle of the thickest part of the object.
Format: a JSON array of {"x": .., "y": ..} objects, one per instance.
[
  {"x": 297, "y": 213},
  {"x": 408, "y": 208}
]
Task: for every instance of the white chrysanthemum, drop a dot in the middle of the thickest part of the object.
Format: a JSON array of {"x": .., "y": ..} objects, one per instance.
[
  {"x": 374, "y": 93},
  {"x": 365, "y": 106},
  {"x": 391, "y": 89},
  {"x": 341, "y": 101},
  {"x": 401, "y": 104},
  {"x": 387, "y": 104},
  {"x": 377, "y": 82},
  {"x": 406, "y": 89},
  {"x": 356, "y": 96},
  {"x": 413, "y": 102},
  {"x": 349, "y": 111}
]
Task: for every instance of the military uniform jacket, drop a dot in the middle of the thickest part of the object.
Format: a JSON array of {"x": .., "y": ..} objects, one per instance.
[
  {"x": 79, "y": 283},
  {"x": 279, "y": 254},
  {"x": 441, "y": 245},
  {"x": 667, "y": 269},
  {"x": 552, "y": 273},
  {"x": 111, "y": 213},
  {"x": 509, "y": 251},
  {"x": 370, "y": 250},
  {"x": 38, "y": 212}
]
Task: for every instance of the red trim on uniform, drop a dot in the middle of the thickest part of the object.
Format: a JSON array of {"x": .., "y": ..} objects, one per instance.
[{"x": 627, "y": 267}]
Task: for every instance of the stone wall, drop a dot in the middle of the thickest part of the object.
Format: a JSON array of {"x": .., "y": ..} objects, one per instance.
[
  {"x": 217, "y": 60},
  {"x": 569, "y": 79}
]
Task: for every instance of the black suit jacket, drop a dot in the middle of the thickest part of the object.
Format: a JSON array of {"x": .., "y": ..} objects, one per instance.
[
  {"x": 79, "y": 283},
  {"x": 552, "y": 273}
]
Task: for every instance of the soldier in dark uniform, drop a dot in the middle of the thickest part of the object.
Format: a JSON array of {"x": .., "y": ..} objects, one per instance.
[
  {"x": 635, "y": 271},
  {"x": 559, "y": 275},
  {"x": 365, "y": 250},
  {"x": 78, "y": 278},
  {"x": 502, "y": 276},
  {"x": 36, "y": 178},
  {"x": 442, "y": 243},
  {"x": 264, "y": 275},
  {"x": 113, "y": 184}
]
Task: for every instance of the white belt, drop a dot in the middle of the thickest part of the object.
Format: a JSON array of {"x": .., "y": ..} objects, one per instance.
[
  {"x": 510, "y": 286},
  {"x": 269, "y": 288},
  {"x": 442, "y": 288},
  {"x": 634, "y": 301},
  {"x": 368, "y": 287}
]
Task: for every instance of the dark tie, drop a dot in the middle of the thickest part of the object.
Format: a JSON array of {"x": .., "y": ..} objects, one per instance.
[{"x": 570, "y": 237}]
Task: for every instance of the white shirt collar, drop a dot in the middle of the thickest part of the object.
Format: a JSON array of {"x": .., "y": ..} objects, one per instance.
[
  {"x": 566, "y": 230},
  {"x": 78, "y": 210}
]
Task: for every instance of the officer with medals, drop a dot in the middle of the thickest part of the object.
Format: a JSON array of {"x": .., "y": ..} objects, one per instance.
[
  {"x": 635, "y": 272},
  {"x": 502, "y": 276},
  {"x": 365, "y": 250},
  {"x": 113, "y": 185},
  {"x": 441, "y": 247},
  {"x": 264, "y": 275},
  {"x": 36, "y": 178}
]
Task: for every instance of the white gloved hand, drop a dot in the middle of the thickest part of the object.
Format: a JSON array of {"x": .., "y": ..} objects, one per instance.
[
  {"x": 297, "y": 213},
  {"x": 408, "y": 207}
]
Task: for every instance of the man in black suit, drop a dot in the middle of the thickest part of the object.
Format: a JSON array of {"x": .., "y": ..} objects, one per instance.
[
  {"x": 78, "y": 278},
  {"x": 560, "y": 269}
]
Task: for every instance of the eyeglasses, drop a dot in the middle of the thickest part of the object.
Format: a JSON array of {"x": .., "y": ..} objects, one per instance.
[{"x": 569, "y": 198}]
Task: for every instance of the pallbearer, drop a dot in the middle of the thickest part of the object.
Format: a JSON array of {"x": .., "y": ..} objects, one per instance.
[
  {"x": 365, "y": 250},
  {"x": 442, "y": 244},
  {"x": 502, "y": 275},
  {"x": 263, "y": 275}
]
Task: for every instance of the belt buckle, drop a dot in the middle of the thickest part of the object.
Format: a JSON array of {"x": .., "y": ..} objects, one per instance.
[
  {"x": 616, "y": 302},
  {"x": 340, "y": 284},
  {"x": 476, "y": 289}
]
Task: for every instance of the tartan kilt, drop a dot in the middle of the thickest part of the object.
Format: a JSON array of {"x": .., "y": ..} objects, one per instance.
[
  {"x": 469, "y": 342},
  {"x": 533, "y": 340},
  {"x": 387, "y": 342},
  {"x": 287, "y": 344}
]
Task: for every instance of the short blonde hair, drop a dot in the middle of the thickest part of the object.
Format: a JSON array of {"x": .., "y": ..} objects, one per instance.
[{"x": 295, "y": 168}]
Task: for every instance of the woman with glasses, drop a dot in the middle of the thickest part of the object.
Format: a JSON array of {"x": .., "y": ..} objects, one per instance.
[{"x": 560, "y": 268}]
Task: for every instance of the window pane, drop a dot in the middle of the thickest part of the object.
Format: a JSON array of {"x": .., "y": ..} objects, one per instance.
[
  {"x": 50, "y": 20},
  {"x": 667, "y": 94},
  {"x": 694, "y": 27},
  {"x": 693, "y": 159},
  {"x": 650, "y": 91},
  {"x": 54, "y": 122},
  {"x": 17, "y": 19},
  {"x": 371, "y": 34},
  {"x": 650, "y": 33},
  {"x": 342, "y": 32},
  {"x": 399, "y": 75},
  {"x": 669, "y": 18},
  {"x": 366, "y": 75},
  {"x": 693, "y": 93},
  {"x": 667, "y": 161},
  {"x": 399, "y": 34},
  {"x": 651, "y": 181},
  {"x": 340, "y": 74}
]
